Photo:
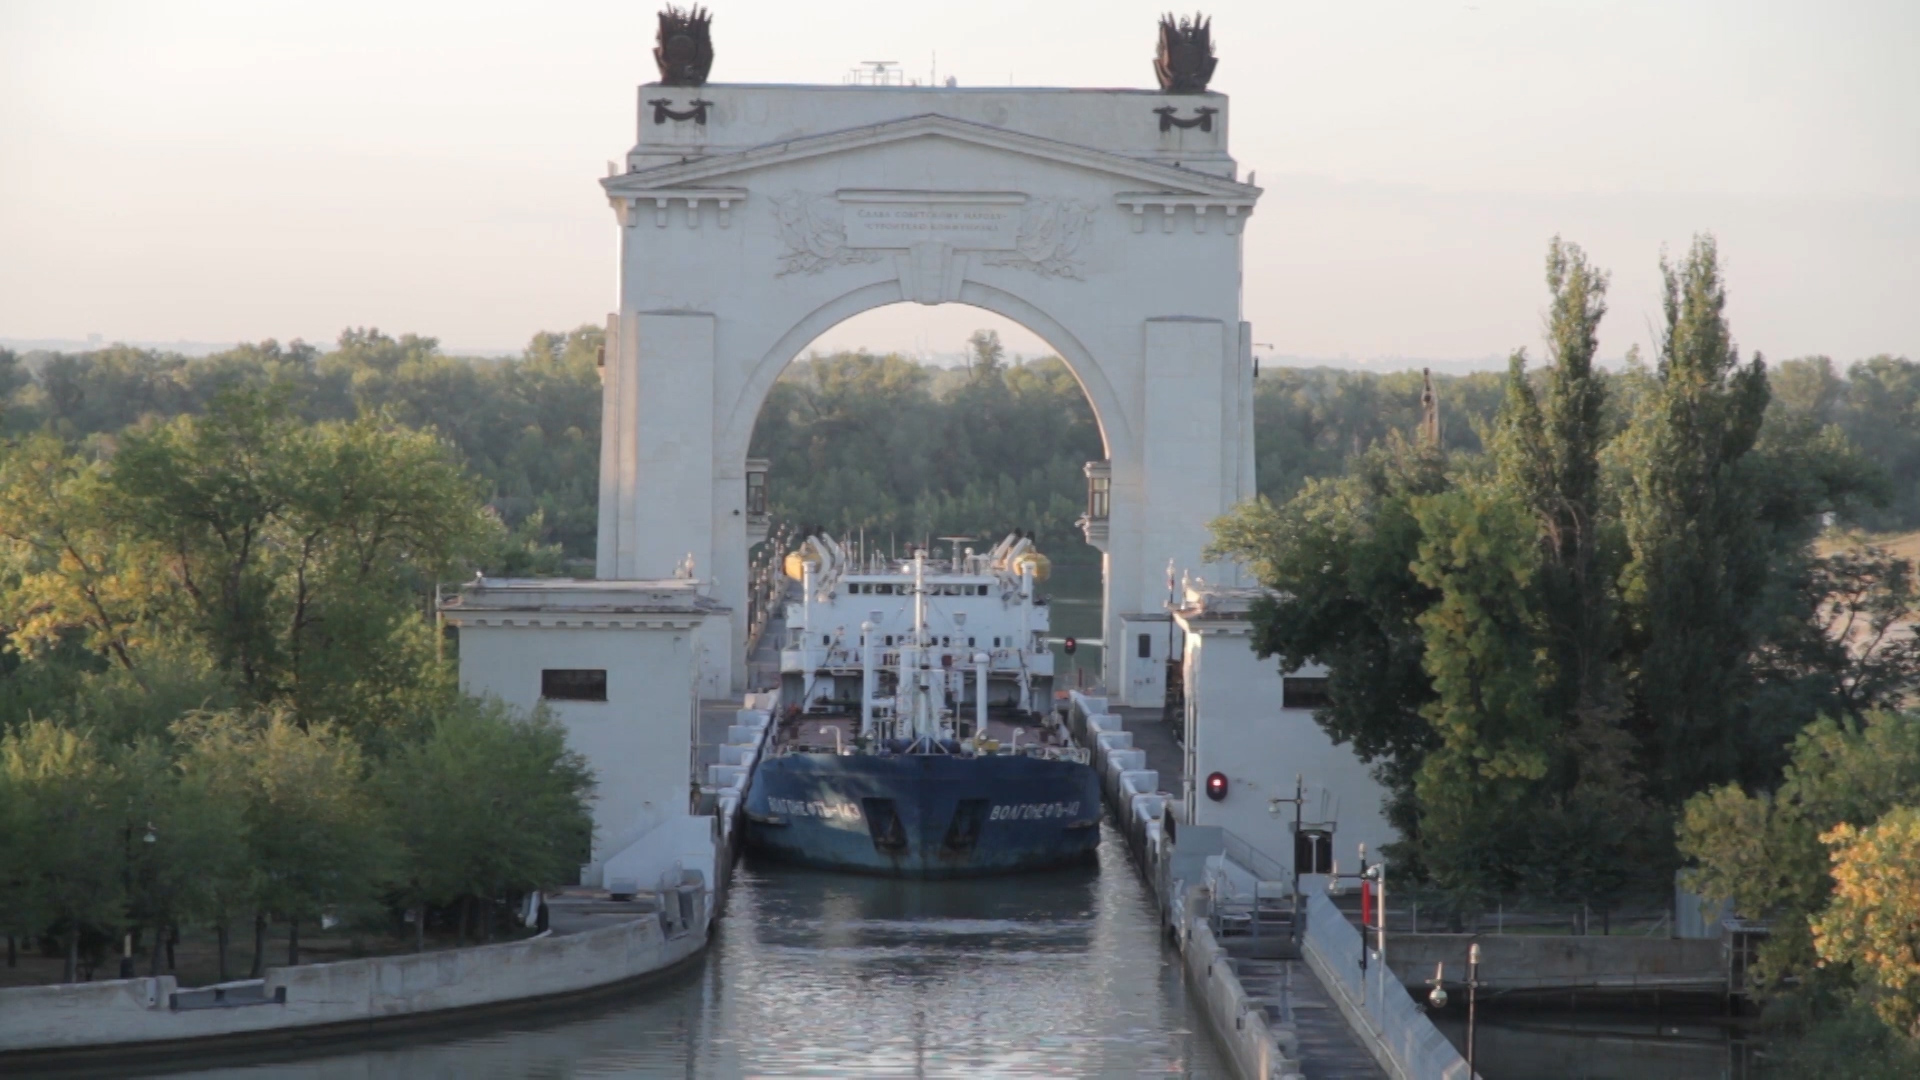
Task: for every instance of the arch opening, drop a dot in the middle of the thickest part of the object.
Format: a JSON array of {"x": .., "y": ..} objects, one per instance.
[{"x": 959, "y": 433}]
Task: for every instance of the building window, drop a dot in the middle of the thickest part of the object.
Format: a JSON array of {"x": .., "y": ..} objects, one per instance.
[
  {"x": 1099, "y": 497},
  {"x": 757, "y": 489},
  {"x": 1303, "y": 693},
  {"x": 573, "y": 684},
  {"x": 1146, "y": 646}
]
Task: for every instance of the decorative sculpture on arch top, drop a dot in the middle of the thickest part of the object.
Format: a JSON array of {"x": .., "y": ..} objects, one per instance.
[
  {"x": 684, "y": 49},
  {"x": 1185, "y": 60}
]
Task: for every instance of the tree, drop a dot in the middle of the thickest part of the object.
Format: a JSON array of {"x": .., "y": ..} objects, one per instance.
[
  {"x": 1477, "y": 553},
  {"x": 1339, "y": 557},
  {"x": 300, "y": 550},
  {"x": 66, "y": 828},
  {"x": 488, "y": 803},
  {"x": 315, "y": 841},
  {"x": 1873, "y": 921},
  {"x": 1761, "y": 852},
  {"x": 1550, "y": 458},
  {"x": 71, "y": 569},
  {"x": 1697, "y": 567},
  {"x": 188, "y": 842}
]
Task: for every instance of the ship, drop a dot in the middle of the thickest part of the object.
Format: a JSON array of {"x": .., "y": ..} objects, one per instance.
[{"x": 917, "y": 736}]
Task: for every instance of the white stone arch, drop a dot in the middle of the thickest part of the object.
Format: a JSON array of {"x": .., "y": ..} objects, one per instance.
[
  {"x": 737, "y": 433},
  {"x": 755, "y": 218}
]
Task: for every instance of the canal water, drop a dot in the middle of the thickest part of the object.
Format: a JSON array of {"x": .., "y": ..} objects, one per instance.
[{"x": 814, "y": 974}]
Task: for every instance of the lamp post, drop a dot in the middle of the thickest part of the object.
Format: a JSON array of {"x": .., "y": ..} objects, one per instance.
[
  {"x": 1273, "y": 807},
  {"x": 1473, "y": 988}
]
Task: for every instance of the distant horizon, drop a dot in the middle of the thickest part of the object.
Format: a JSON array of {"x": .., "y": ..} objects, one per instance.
[{"x": 940, "y": 358}]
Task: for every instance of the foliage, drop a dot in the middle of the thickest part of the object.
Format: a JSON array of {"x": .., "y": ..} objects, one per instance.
[
  {"x": 487, "y": 804},
  {"x": 1548, "y": 640},
  {"x": 881, "y": 444},
  {"x": 1477, "y": 554},
  {"x": 64, "y": 839},
  {"x": 1761, "y": 852},
  {"x": 1873, "y": 921},
  {"x": 314, "y": 839},
  {"x": 1339, "y": 556}
]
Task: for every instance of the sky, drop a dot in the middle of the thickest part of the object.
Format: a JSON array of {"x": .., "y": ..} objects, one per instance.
[{"x": 235, "y": 171}]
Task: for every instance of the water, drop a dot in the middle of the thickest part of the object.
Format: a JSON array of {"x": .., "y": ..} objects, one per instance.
[
  {"x": 816, "y": 974},
  {"x": 1599, "y": 1044}
]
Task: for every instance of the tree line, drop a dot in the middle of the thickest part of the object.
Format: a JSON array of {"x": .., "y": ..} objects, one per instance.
[
  {"x": 222, "y": 699},
  {"x": 1605, "y": 641},
  {"x": 860, "y": 440}
]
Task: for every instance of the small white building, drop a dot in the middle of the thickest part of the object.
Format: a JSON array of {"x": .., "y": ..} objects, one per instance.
[
  {"x": 618, "y": 663},
  {"x": 1253, "y": 728}
]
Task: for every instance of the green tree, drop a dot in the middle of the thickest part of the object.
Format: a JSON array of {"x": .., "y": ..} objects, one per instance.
[
  {"x": 487, "y": 804},
  {"x": 1478, "y": 554},
  {"x": 67, "y": 566},
  {"x": 315, "y": 841},
  {"x": 66, "y": 832},
  {"x": 1339, "y": 557},
  {"x": 1698, "y": 567},
  {"x": 301, "y": 550},
  {"x": 187, "y": 841}
]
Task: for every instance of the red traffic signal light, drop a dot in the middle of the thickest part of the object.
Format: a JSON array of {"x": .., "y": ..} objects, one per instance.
[
  {"x": 1069, "y": 645},
  {"x": 1216, "y": 786}
]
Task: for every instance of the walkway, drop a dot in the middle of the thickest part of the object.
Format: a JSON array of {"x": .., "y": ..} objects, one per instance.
[
  {"x": 1291, "y": 994},
  {"x": 1154, "y": 735},
  {"x": 1287, "y": 989}
]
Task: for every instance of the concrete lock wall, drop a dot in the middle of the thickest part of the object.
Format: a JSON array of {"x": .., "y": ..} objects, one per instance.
[
  {"x": 1538, "y": 961},
  {"x": 136, "y": 1011}
]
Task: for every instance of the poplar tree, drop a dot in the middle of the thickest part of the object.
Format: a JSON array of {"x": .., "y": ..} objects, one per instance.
[{"x": 1697, "y": 565}]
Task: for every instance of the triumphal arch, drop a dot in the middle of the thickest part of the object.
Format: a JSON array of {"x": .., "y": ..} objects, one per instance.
[{"x": 755, "y": 217}]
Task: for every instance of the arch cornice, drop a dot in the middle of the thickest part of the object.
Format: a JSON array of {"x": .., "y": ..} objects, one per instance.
[{"x": 1109, "y": 411}]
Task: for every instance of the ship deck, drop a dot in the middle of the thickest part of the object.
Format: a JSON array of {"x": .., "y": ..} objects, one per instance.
[{"x": 826, "y": 732}]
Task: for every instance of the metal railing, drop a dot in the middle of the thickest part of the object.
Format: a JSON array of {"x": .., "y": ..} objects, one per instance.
[{"x": 1416, "y": 1046}]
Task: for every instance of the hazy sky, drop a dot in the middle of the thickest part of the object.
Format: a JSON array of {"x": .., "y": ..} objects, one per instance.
[{"x": 229, "y": 171}]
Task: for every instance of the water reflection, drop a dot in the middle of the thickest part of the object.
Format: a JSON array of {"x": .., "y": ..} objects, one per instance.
[
  {"x": 1602, "y": 1045},
  {"x": 814, "y": 974}
]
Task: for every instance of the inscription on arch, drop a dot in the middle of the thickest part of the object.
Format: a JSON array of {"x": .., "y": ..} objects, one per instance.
[{"x": 1043, "y": 236}]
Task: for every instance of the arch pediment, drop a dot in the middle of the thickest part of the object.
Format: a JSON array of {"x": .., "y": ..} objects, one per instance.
[{"x": 719, "y": 169}]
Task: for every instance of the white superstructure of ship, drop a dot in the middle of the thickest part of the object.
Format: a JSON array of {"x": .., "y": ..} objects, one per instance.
[{"x": 918, "y": 647}]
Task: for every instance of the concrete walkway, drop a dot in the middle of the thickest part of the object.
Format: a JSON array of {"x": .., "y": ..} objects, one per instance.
[
  {"x": 1291, "y": 994},
  {"x": 1154, "y": 735},
  {"x": 1287, "y": 989}
]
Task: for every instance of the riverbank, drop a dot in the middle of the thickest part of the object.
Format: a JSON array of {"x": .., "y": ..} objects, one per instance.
[{"x": 119, "y": 1018}]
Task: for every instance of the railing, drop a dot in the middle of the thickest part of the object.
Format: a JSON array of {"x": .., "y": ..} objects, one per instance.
[
  {"x": 1417, "y": 1048},
  {"x": 1262, "y": 866}
]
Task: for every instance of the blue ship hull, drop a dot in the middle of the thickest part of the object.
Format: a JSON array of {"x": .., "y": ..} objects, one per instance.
[{"x": 923, "y": 815}]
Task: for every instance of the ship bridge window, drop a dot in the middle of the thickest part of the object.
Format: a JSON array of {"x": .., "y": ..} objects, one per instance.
[{"x": 573, "y": 684}]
